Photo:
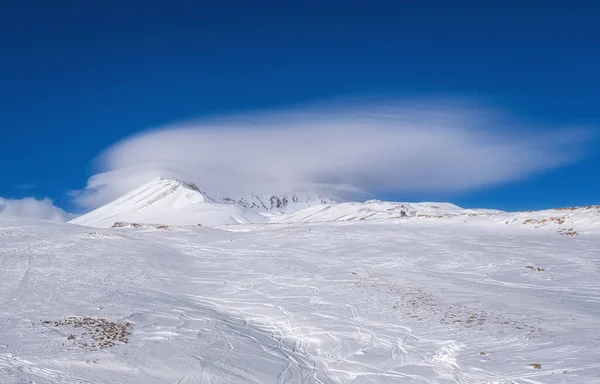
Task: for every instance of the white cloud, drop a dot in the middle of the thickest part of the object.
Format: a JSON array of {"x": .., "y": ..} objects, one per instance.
[
  {"x": 33, "y": 208},
  {"x": 344, "y": 149}
]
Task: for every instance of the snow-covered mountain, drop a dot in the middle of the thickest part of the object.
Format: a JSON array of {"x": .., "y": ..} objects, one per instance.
[
  {"x": 177, "y": 203},
  {"x": 563, "y": 221},
  {"x": 378, "y": 210},
  {"x": 168, "y": 202},
  {"x": 283, "y": 203},
  {"x": 173, "y": 202}
]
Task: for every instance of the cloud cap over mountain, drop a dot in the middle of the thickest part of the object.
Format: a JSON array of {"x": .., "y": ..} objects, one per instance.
[{"x": 344, "y": 150}]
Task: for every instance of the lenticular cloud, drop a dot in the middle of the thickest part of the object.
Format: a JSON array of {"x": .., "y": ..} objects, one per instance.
[{"x": 344, "y": 151}]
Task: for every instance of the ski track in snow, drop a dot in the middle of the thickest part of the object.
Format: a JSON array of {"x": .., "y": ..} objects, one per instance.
[{"x": 364, "y": 302}]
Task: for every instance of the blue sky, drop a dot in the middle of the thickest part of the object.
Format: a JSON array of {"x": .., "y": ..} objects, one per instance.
[{"x": 78, "y": 77}]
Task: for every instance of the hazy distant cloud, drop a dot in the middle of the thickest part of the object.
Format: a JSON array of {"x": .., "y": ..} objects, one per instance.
[
  {"x": 33, "y": 208},
  {"x": 25, "y": 186},
  {"x": 346, "y": 150}
]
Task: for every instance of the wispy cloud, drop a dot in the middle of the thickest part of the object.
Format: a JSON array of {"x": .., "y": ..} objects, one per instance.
[
  {"x": 33, "y": 208},
  {"x": 26, "y": 186},
  {"x": 346, "y": 150}
]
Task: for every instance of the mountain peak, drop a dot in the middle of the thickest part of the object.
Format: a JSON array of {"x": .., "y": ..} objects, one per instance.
[
  {"x": 177, "y": 202},
  {"x": 176, "y": 182},
  {"x": 147, "y": 203}
]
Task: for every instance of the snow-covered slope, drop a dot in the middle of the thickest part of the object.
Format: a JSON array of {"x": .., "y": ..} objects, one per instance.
[
  {"x": 562, "y": 221},
  {"x": 378, "y": 210},
  {"x": 414, "y": 300},
  {"x": 167, "y": 202},
  {"x": 565, "y": 221}
]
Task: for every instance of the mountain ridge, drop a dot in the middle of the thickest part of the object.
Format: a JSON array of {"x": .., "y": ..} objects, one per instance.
[
  {"x": 276, "y": 202},
  {"x": 177, "y": 202},
  {"x": 170, "y": 202}
]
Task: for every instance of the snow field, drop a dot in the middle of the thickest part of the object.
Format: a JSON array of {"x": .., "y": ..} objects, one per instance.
[{"x": 397, "y": 301}]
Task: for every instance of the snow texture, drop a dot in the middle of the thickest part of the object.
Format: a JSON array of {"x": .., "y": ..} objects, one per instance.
[{"x": 345, "y": 293}]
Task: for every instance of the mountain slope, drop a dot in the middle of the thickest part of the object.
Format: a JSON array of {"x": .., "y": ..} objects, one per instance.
[
  {"x": 176, "y": 203},
  {"x": 167, "y": 202},
  {"x": 563, "y": 221},
  {"x": 283, "y": 203},
  {"x": 378, "y": 210}
]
